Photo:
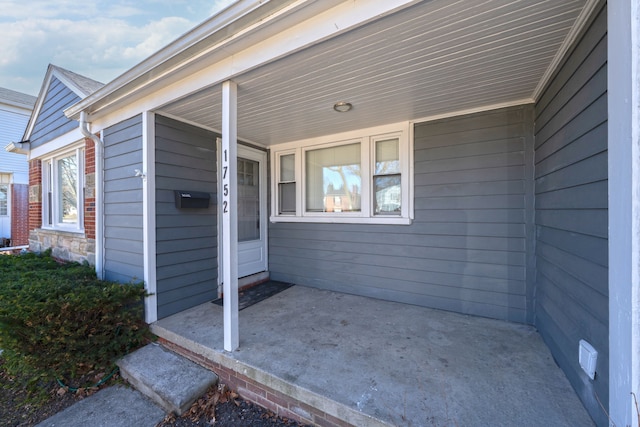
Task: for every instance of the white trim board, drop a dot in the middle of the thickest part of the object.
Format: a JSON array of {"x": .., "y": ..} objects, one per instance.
[
  {"x": 65, "y": 141},
  {"x": 149, "y": 215},
  {"x": 624, "y": 210}
]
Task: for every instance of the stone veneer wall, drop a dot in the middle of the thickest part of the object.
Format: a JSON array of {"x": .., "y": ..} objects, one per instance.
[{"x": 64, "y": 245}]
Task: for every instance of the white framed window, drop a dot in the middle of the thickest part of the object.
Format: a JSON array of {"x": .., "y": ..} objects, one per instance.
[
  {"x": 5, "y": 194},
  {"x": 356, "y": 177},
  {"x": 62, "y": 191},
  {"x": 286, "y": 182},
  {"x": 4, "y": 199}
]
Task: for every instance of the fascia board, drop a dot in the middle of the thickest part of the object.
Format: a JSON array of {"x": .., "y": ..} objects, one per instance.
[
  {"x": 20, "y": 107},
  {"x": 65, "y": 141}
]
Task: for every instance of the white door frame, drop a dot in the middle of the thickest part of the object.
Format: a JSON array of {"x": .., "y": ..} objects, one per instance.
[{"x": 261, "y": 157}]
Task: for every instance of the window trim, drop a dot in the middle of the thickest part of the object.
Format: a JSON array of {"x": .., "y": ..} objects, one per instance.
[
  {"x": 49, "y": 182},
  {"x": 367, "y": 138},
  {"x": 275, "y": 211}
]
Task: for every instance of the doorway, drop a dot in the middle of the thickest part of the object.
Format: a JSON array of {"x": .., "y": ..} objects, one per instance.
[{"x": 252, "y": 211}]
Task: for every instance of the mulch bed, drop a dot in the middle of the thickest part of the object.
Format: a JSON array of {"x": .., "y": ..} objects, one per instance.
[
  {"x": 222, "y": 407},
  {"x": 17, "y": 408}
]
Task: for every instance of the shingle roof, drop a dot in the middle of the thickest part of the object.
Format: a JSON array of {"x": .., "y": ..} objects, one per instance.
[
  {"x": 85, "y": 84},
  {"x": 18, "y": 99}
]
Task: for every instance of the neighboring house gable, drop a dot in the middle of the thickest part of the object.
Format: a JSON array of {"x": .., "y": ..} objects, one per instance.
[{"x": 15, "y": 109}]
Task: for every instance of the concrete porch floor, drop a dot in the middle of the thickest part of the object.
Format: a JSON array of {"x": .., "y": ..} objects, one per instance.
[{"x": 371, "y": 362}]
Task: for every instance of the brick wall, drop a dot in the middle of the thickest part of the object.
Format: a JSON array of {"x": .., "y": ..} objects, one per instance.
[
  {"x": 19, "y": 214},
  {"x": 249, "y": 389},
  {"x": 89, "y": 189},
  {"x": 35, "y": 194}
]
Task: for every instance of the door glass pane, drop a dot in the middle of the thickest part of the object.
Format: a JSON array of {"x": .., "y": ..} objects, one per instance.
[
  {"x": 68, "y": 190},
  {"x": 333, "y": 179},
  {"x": 248, "y": 200}
]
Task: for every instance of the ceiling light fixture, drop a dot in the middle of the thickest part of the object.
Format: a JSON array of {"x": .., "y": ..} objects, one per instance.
[{"x": 342, "y": 106}]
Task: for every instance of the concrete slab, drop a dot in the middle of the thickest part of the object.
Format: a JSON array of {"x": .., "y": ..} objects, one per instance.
[
  {"x": 116, "y": 406},
  {"x": 171, "y": 381},
  {"x": 396, "y": 363}
]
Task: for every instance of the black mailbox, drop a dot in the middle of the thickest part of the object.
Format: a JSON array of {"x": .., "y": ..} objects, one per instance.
[{"x": 192, "y": 199}]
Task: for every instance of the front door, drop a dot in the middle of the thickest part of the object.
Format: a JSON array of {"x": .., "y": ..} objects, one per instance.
[
  {"x": 252, "y": 218},
  {"x": 252, "y": 211}
]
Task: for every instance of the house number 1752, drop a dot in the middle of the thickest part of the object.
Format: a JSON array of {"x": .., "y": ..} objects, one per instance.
[{"x": 225, "y": 182}]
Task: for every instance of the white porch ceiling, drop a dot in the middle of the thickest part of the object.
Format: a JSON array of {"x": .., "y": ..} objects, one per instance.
[{"x": 434, "y": 58}]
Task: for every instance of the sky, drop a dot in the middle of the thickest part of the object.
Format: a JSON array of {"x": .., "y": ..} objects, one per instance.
[{"x": 99, "y": 39}]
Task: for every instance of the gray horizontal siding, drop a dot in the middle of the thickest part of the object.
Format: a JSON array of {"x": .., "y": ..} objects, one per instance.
[
  {"x": 571, "y": 213},
  {"x": 123, "y": 227},
  {"x": 467, "y": 249},
  {"x": 51, "y": 121},
  {"x": 186, "y": 239}
]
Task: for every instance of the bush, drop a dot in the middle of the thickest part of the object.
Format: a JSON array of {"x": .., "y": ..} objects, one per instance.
[{"x": 57, "y": 320}]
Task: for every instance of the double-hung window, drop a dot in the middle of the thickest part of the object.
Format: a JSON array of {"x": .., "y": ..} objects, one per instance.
[
  {"x": 5, "y": 181},
  {"x": 4, "y": 200},
  {"x": 359, "y": 177},
  {"x": 63, "y": 191}
]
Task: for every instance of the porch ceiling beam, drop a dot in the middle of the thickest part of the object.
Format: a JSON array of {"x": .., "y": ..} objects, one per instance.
[{"x": 229, "y": 163}]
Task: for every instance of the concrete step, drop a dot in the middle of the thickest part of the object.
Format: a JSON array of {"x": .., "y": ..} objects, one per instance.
[{"x": 171, "y": 381}]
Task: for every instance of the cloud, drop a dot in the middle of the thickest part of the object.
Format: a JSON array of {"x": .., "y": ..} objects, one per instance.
[{"x": 98, "y": 39}]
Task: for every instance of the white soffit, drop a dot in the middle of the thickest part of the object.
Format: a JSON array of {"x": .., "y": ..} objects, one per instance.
[{"x": 432, "y": 58}]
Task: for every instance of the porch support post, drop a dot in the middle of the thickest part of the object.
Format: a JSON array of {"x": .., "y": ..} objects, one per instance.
[
  {"x": 229, "y": 191},
  {"x": 624, "y": 210}
]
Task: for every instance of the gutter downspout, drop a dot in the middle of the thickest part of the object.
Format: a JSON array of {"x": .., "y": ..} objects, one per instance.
[{"x": 99, "y": 150}]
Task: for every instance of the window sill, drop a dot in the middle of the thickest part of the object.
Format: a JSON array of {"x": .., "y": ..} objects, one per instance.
[
  {"x": 62, "y": 230},
  {"x": 344, "y": 220}
]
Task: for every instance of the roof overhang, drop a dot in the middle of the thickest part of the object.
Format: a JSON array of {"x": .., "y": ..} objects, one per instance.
[
  {"x": 231, "y": 30},
  {"x": 18, "y": 147},
  {"x": 394, "y": 61}
]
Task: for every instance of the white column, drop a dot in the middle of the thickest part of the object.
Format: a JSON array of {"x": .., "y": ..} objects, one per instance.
[
  {"x": 149, "y": 214},
  {"x": 229, "y": 189},
  {"x": 624, "y": 210}
]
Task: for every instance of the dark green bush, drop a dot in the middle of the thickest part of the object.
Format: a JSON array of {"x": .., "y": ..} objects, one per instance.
[{"x": 57, "y": 320}]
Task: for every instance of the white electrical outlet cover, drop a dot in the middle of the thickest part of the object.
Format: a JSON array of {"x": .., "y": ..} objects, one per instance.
[{"x": 587, "y": 356}]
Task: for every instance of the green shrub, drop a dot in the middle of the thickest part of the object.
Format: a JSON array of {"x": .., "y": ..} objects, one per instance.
[{"x": 57, "y": 320}]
